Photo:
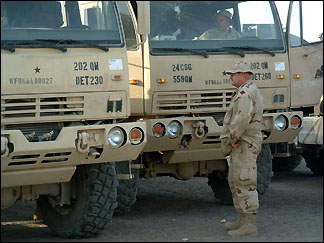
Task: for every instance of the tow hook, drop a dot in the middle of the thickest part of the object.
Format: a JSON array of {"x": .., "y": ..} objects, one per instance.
[
  {"x": 4, "y": 147},
  {"x": 83, "y": 144},
  {"x": 200, "y": 130}
]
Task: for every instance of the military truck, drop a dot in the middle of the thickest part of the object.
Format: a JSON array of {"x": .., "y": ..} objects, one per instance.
[
  {"x": 64, "y": 103},
  {"x": 180, "y": 89},
  {"x": 304, "y": 40}
]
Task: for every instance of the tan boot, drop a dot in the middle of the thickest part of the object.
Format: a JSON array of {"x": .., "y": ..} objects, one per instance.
[
  {"x": 236, "y": 224},
  {"x": 248, "y": 227}
]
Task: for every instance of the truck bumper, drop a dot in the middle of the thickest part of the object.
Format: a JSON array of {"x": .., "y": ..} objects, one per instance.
[
  {"x": 208, "y": 139},
  {"x": 28, "y": 163}
]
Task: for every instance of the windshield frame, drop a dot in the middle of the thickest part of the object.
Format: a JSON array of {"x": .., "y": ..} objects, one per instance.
[
  {"x": 279, "y": 44},
  {"x": 101, "y": 40}
]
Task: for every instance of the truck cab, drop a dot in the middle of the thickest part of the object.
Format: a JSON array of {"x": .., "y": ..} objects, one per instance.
[
  {"x": 179, "y": 87},
  {"x": 304, "y": 38},
  {"x": 64, "y": 100}
]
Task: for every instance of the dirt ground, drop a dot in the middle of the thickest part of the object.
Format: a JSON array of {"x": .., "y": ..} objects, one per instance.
[{"x": 168, "y": 210}]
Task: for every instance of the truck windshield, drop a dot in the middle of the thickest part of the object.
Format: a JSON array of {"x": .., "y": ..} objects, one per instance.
[
  {"x": 216, "y": 27},
  {"x": 60, "y": 23}
]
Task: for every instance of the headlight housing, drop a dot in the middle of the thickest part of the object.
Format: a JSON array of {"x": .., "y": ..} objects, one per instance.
[
  {"x": 280, "y": 123},
  {"x": 295, "y": 122},
  {"x": 136, "y": 136},
  {"x": 174, "y": 129},
  {"x": 158, "y": 130},
  {"x": 116, "y": 137}
]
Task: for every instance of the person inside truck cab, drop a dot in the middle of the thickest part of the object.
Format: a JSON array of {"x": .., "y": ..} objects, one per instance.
[{"x": 222, "y": 29}]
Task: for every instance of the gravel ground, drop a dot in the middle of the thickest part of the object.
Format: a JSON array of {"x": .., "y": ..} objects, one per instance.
[{"x": 168, "y": 210}]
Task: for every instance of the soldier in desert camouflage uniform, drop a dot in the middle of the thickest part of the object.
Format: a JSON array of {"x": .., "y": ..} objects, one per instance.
[
  {"x": 222, "y": 29},
  {"x": 241, "y": 139}
]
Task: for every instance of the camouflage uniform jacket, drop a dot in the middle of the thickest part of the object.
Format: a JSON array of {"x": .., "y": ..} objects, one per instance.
[{"x": 243, "y": 119}]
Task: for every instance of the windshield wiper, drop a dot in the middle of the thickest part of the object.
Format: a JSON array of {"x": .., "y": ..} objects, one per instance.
[
  {"x": 228, "y": 50},
  {"x": 11, "y": 46},
  {"x": 202, "y": 53},
  {"x": 250, "y": 48},
  {"x": 57, "y": 42}
]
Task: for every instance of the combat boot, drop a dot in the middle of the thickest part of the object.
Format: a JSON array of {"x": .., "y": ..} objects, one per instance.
[
  {"x": 248, "y": 227},
  {"x": 236, "y": 224}
]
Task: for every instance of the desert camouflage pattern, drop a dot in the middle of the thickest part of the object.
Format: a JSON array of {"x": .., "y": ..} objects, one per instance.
[
  {"x": 242, "y": 178},
  {"x": 242, "y": 125},
  {"x": 243, "y": 119}
]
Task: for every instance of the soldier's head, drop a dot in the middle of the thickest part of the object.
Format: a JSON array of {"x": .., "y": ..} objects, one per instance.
[
  {"x": 240, "y": 73},
  {"x": 223, "y": 20}
]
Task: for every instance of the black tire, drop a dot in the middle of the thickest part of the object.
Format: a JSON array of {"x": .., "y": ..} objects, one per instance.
[
  {"x": 91, "y": 208},
  {"x": 126, "y": 190},
  {"x": 264, "y": 165},
  {"x": 286, "y": 164},
  {"x": 218, "y": 180},
  {"x": 315, "y": 164}
]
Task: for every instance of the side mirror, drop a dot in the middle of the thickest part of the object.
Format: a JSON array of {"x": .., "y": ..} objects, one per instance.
[{"x": 143, "y": 17}]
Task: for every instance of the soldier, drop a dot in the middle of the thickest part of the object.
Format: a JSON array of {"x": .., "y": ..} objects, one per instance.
[
  {"x": 223, "y": 29},
  {"x": 242, "y": 139}
]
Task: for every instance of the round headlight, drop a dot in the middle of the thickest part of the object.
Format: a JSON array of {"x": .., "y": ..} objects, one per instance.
[
  {"x": 280, "y": 123},
  {"x": 115, "y": 137},
  {"x": 136, "y": 136},
  {"x": 174, "y": 129},
  {"x": 158, "y": 130},
  {"x": 295, "y": 122}
]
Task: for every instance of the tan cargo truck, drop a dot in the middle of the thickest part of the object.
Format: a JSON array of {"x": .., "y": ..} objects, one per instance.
[
  {"x": 64, "y": 103},
  {"x": 180, "y": 89},
  {"x": 304, "y": 38}
]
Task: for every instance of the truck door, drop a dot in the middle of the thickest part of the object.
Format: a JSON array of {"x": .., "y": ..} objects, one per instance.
[
  {"x": 134, "y": 54},
  {"x": 305, "y": 45}
]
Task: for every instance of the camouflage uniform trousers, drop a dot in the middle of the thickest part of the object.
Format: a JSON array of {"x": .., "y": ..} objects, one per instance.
[{"x": 242, "y": 178}]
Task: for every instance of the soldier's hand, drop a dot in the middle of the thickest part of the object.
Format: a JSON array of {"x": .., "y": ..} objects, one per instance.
[{"x": 235, "y": 145}]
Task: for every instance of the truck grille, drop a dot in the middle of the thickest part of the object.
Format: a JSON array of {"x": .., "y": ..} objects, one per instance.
[
  {"x": 30, "y": 159},
  {"x": 37, "y": 132},
  {"x": 191, "y": 101},
  {"x": 41, "y": 107},
  {"x": 212, "y": 140}
]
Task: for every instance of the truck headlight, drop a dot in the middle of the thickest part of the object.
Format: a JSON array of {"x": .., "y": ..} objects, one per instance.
[
  {"x": 295, "y": 122},
  {"x": 280, "y": 123},
  {"x": 116, "y": 137},
  {"x": 136, "y": 136},
  {"x": 174, "y": 129},
  {"x": 158, "y": 130}
]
